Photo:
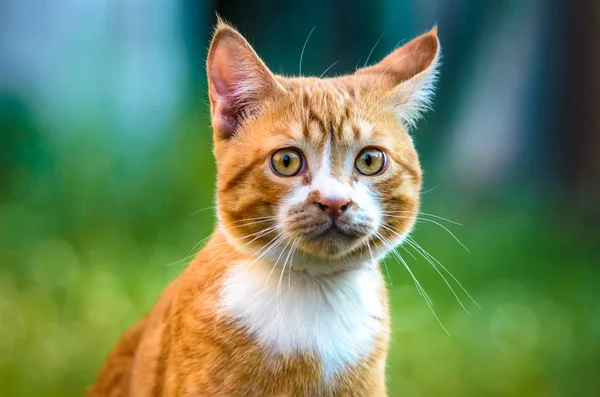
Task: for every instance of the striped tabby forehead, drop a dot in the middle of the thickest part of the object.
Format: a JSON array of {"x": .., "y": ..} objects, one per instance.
[
  {"x": 343, "y": 114},
  {"x": 328, "y": 123}
]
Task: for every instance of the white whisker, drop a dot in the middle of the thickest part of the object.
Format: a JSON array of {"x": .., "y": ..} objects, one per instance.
[
  {"x": 278, "y": 293},
  {"x": 327, "y": 70},
  {"x": 300, "y": 70},
  {"x": 422, "y": 213},
  {"x": 408, "y": 252},
  {"x": 395, "y": 253},
  {"x": 441, "y": 275},
  {"x": 434, "y": 222},
  {"x": 203, "y": 209},
  {"x": 446, "y": 270},
  {"x": 362, "y": 75},
  {"x": 257, "y": 235},
  {"x": 253, "y": 219},
  {"x": 276, "y": 261},
  {"x": 267, "y": 248},
  {"x": 430, "y": 190},
  {"x": 250, "y": 223},
  {"x": 290, "y": 271},
  {"x": 418, "y": 285},
  {"x": 446, "y": 229},
  {"x": 262, "y": 232}
]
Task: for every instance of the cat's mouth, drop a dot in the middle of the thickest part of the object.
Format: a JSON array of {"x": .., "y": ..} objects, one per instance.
[
  {"x": 334, "y": 231},
  {"x": 332, "y": 241}
]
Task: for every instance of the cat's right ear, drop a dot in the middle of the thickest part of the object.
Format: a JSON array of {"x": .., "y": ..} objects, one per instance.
[
  {"x": 410, "y": 73},
  {"x": 238, "y": 80}
]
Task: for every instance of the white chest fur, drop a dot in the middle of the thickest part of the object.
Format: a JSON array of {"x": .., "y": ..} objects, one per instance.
[{"x": 335, "y": 316}]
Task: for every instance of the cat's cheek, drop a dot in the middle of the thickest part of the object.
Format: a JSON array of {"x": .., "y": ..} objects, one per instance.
[
  {"x": 368, "y": 203},
  {"x": 408, "y": 189},
  {"x": 295, "y": 198}
]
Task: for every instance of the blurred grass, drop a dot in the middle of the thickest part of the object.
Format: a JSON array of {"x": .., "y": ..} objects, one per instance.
[{"x": 88, "y": 242}]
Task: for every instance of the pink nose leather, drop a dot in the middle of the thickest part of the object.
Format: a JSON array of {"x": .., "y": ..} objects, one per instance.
[{"x": 333, "y": 207}]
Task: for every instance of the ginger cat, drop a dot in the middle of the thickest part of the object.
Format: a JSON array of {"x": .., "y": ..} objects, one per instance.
[{"x": 287, "y": 298}]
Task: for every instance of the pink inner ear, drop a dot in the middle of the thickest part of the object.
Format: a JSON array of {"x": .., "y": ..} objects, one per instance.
[
  {"x": 226, "y": 106},
  {"x": 238, "y": 81},
  {"x": 224, "y": 71},
  {"x": 224, "y": 121},
  {"x": 220, "y": 86}
]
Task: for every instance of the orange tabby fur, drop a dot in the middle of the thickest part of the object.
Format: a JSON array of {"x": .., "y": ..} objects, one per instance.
[{"x": 188, "y": 345}]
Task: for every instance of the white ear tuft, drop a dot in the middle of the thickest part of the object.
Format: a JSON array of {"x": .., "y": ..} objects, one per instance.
[
  {"x": 410, "y": 75},
  {"x": 415, "y": 96}
]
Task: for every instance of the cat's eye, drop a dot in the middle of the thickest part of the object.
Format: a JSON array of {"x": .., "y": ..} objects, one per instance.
[
  {"x": 370, "y": 161},
  {"x": 287, "y": 162}
]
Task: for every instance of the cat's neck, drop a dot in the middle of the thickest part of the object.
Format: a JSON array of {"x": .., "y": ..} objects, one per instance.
[{"x": 336, "y": 316}]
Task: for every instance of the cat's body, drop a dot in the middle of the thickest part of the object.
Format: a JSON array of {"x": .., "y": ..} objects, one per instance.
[
  {"x": 286, "y": 298},
  {"x": 188, "y": 344}
]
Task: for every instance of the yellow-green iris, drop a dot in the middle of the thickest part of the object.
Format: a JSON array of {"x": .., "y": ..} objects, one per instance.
[
  {"x": 370, "y": 161},
  {"x": 286, "y": 162}
]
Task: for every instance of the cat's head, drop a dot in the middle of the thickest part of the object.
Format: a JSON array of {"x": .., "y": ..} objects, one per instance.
[{"x": 317, "y": 174}]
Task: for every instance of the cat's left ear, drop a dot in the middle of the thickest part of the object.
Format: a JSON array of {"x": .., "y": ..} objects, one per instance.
[
  {"x": 238, "y": 80},
  {"x": 409, "y": 73}
]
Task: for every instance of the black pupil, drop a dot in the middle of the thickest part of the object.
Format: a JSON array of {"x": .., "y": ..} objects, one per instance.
[
  {"x": 368, "y": 159},
  {"x": 286, "y": 160}
]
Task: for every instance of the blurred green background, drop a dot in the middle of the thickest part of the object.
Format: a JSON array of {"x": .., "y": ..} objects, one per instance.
[{"x": 105, "y": 160}]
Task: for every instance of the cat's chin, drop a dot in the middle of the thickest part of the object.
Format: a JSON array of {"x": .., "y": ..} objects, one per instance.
[
  {"x": 318, "y": 264},
  {"x": 334, "y": 246},
  {"x": 330, "y": 246}
]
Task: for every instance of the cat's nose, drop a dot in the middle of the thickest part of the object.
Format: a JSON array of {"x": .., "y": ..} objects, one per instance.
[{"x": 333, "y": 207}]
